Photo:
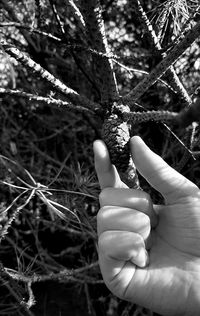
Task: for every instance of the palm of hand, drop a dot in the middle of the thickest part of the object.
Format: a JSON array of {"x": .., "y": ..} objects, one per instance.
[{"x": 173, "y": 274}]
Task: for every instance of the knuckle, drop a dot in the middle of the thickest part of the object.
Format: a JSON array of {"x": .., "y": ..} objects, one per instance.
[
  {"x": 103, "y": 242},
  {"x": 102, "y": 214},
  {"x": 148, "y": 201},
  {"x": 138, "y": 240},
  {"x": 144, "y": 219},
  {"x": 103, "y": 195}
]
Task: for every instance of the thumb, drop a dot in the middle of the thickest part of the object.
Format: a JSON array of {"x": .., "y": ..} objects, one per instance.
[
  {"x": 106, "y": 172},
  {"x": 170, "y": 183}
]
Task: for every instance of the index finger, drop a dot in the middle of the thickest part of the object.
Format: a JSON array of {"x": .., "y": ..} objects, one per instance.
[
  {"x": 169, "y": 182},
  {"x": 107, "y": 173}
]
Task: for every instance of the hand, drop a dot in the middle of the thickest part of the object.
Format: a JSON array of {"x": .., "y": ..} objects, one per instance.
[{"x": 149, "y": 254}]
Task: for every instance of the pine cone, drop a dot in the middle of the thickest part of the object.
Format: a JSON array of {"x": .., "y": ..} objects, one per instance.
[{"x": 115, "y": 134}]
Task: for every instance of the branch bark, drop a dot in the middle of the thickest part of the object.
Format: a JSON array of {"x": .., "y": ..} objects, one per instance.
[
  {"x": 158, "y": 116},
  {"x": 103, "y": 67},
  {"x": 48, "y": 101},
  {"x": 71, "y": 94},
  {"x": 162, "y": 67},
  {"x": 170, "y": 74}
]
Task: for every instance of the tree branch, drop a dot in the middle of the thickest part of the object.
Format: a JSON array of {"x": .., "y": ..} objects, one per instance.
[
  {"x": 103, "y": 67},
  {"x": 63, "y": 275},
  {"x": 77, "y": 14},
  {"x": 162, "y": 67},
  {"x": 48, "y": 101},
  {"x": 158, "y": 116},
  {"x": 170, "y": 74},
  {"x": 31, "y": 30},
  {"x": 72, "y": 95}
]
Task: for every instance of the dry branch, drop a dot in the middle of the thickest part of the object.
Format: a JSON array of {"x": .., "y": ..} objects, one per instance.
[
  {"x": 77, "y": 14},
  {"x": 40, "y": 99},
  {"x": 65, "y": 275},
  {"x": 159, "y": 116},
  {"x": 15, "y": 18},
  {"x": 31, "y": 30},
  {"x": 170, "y": 74},
  {"x": 72, "y": 95},
  {"x": 162, "y": 67}
]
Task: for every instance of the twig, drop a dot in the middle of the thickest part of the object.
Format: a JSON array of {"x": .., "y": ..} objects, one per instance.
[
  {"x": 60, "y": 24},
  {"x": 77, "y": 13},
  {"x": 161, "y": 24},
  {"x": 12, "y": 286},
  {"x": 143, "y": 72},
  {"x": 186, "y": 26},
  {"x": 54, "y": 267},
  {"x": 190, "y": 134},
  {"x": 31, "y": 300},
  {"x": 157, "y": 116},
  {"x": 49, "y": 101},
  {"x": 31, "y": 30},
  {"x": 170, "y": 73},
  {"x": 13, "y": 15},
  {"x": 72, "y": 95},
  {"x": 60, "y": 170},
  {"x": 14, "y": 214},
  {"x": 161, "y": 68},
  {"x": 65, "y": 275}
]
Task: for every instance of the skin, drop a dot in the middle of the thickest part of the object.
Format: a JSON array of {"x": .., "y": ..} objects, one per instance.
[{"x": 149, "y": 254}]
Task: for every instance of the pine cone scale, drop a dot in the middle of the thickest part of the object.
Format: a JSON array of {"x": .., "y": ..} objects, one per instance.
[{"x": 115, "y": 133}]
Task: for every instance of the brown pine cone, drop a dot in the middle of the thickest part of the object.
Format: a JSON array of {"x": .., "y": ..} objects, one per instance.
[{"x": 115, "y": 134}]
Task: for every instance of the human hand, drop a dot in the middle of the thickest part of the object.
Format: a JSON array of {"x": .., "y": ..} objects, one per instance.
[{"x": 149, "y": 254}]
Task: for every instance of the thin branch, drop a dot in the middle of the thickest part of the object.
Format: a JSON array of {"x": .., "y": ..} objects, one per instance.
[
  {"x": 13, "y": 288},
  {"x": 190, "y": 136},
  {"x": 17, "y": 296},
  {"x": 170, "y": 74},
  {"x": 62, "y": 276},
  {"x": 77, "y": 13},
  {"x": 48, "y": 101},
  {"x": 162, "y": 67},
  {"x": 53, "y": 267},
  {"x": 74, "y": 47},
  {"x": 31, "y": 30},
  {"x": 157, "y": 116},
  {"x": 143, "y": 72},
  {"x": 31, "y": 300},
  {"x": 60, "y": 24},
  {"x": 72, "y": 95},
  {"x": 161, "y": 23},
  {"x": 60, "y": 170},
  {"x": 66, "y": 41},
  {"x": 15, "y": 18},
  {"x": 14, "y": 214},
  {"x": 186, "y": 26}
]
